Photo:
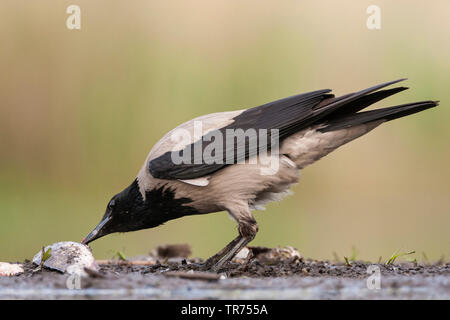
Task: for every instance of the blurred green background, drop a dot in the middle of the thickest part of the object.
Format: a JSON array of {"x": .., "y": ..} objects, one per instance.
[{"x": 80, "y": 109}]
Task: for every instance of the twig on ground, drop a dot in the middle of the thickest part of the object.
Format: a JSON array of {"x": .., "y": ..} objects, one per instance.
[
  {"x": 193, "y": 275},
  {"x": 127, "y": 262}
]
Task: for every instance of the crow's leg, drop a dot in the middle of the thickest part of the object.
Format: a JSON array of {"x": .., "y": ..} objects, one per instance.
[
  {"x": 219, "y": 255},
  {"x": 248, "y": 228},
  {"x": 231, "y": 253}
]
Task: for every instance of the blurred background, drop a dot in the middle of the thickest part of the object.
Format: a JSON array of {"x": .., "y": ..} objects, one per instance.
[{"x": 80, "y": 109}]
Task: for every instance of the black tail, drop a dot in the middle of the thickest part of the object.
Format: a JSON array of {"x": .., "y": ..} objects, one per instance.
[{"x": 348, "y": 116}]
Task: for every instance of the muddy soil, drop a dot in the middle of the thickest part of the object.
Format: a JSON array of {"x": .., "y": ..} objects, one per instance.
[
  {"x": 311, "y": 268},
  {"x": 261, "y": 275}
]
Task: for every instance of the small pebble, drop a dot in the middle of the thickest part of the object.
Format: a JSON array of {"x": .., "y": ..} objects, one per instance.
[{"x": 10, "y": 269}]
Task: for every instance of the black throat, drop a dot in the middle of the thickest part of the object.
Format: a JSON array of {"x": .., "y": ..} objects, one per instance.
[{"x": 159, "y": 206}]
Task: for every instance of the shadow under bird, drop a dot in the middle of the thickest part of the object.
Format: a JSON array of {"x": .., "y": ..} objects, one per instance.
[{"x": 307, "y": 127}]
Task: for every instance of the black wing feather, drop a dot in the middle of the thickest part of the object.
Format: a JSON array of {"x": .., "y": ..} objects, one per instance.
[{"x": 288, "y": 115}]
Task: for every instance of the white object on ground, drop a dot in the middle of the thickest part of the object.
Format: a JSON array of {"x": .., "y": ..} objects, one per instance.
[
  {"x": 10, "y": 269},
  {"x": 68, "y": 257},
  {"x": 242, "y": 255}
]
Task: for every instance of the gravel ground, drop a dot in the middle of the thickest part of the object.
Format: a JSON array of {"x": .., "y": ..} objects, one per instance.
[{"x": 264, "y": 274}]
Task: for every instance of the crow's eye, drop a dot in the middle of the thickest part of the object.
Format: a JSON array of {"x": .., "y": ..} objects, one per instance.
[{"x": 111, "y": 204}]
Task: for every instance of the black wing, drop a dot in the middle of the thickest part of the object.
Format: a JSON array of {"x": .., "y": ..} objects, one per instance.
[{"x": 288, "y": 116}]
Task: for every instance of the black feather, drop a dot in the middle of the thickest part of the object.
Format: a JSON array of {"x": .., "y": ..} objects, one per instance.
[{"x": 385, "y": 114}]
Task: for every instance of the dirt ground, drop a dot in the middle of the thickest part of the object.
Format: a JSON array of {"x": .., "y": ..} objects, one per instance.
[{"x": 263, "y": 274}]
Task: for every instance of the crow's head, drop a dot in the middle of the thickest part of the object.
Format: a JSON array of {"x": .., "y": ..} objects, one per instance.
[{"x": 126, "y": 211}]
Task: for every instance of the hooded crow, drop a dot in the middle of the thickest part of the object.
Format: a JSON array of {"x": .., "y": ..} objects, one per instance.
[{"x": 238, "y": 161}]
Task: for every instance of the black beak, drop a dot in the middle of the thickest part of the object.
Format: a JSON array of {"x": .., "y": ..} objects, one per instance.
[{"x": 98, "y": 232}]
